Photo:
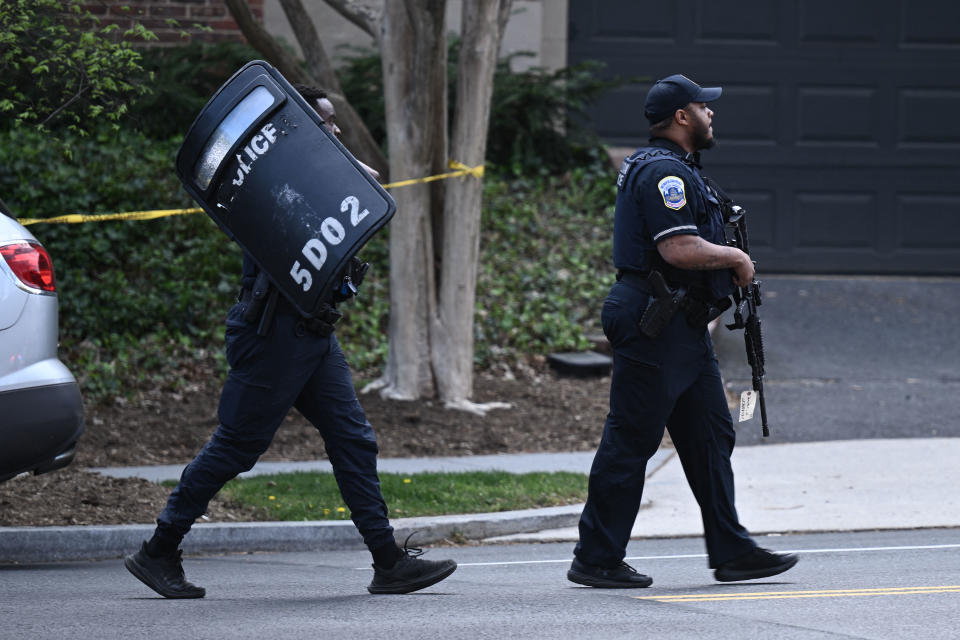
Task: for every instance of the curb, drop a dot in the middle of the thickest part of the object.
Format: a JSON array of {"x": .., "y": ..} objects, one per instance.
[
  {"x": 101, "y": 542},
  {"x": 19, "y": 545}
]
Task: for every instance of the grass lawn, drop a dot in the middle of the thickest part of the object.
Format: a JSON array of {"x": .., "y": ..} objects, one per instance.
[{"x": 315, "y": 496}]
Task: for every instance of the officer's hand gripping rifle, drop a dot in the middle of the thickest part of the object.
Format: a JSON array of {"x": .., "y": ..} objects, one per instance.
[{"x": 746, "y": 300}]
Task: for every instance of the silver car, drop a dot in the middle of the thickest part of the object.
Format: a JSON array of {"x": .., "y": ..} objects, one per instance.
[{"x": 41, "y": 411}]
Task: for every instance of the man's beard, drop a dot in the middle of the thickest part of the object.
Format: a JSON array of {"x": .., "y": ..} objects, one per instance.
[{"x": 702, "y": 139}]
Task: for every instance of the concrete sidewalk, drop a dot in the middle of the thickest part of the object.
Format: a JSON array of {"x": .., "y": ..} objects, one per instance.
[
  {"x": 514, "y": 463},
  {"x": 846, "y": 485},
  {"x": 805, "y": 487}
]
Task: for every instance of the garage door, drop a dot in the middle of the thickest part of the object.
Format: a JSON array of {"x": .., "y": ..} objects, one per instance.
[{"x": 838, "y": 129}]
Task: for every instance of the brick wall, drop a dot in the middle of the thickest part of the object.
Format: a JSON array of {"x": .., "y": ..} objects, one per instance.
[{"x": 154, "y": 14}]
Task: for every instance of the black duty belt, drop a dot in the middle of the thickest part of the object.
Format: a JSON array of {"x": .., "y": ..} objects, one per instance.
[
  {"x": 321, "y": 324},
  {"x": 638, "y": 280},
  {"x": 698, "y": 312}
]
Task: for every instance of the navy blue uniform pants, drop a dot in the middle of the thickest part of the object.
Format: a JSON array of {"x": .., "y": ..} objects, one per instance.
[
  {"x": 289, "y": 367},
  {"x": 672, "y": 381}
]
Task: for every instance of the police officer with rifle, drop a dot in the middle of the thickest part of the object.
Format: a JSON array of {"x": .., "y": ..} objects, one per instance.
[
  {"x": 279, "y": 356},
  {"x": 675, "y": 273}
]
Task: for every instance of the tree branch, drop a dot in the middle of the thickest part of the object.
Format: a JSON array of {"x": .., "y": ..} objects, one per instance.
[
  {"x": 364, "y": 17},
  {"x": 83, "y": 79},
  {"x": 321, "y": 74},
  {"x": 313, "y": 51},
  {"x": 76, "y": 96},
  {"x": 355, "y": 133},
  {"x": 263, "y": 42},
  {"x": 503, "y": 18}
]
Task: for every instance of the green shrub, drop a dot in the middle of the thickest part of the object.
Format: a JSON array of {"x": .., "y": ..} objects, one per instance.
[
  {"x": 538, "y": 120},
  {"x": 545, "y": 264},
  {"x": 60, "y": 69}
]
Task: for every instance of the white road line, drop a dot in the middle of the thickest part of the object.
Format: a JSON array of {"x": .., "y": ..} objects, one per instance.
[
  {"x": 703, "y": 555},
  {"x": 919, "y": 547}
]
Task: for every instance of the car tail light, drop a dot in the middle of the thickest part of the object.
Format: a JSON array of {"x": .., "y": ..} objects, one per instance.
[{"x": 31, "y": 264}]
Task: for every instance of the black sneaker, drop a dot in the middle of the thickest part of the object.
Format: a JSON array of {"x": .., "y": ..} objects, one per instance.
[
  {"x": 759, "y": 563},
  {"x": 622, "y": 576},
  {"x": 164, "y": 574},
  {"x": 410, "y": 573}
]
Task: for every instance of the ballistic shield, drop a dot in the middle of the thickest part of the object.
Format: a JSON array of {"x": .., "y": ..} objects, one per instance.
[{"x": 259, "y": 162}]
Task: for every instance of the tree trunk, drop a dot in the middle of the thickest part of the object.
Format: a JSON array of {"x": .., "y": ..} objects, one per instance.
[
  {"x": 435, "y": 234},
  {"x": 483, "y": 22},
  {"x": 414, "y": 52},
  {"x": 356, "y": 136}
]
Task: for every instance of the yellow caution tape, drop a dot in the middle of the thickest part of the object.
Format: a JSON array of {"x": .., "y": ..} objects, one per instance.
[
  {"x": 76, "y": 218},
  {"x": 462, "y": 170}
]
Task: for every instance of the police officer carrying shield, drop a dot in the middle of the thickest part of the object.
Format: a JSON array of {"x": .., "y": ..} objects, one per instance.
[
  {"x": 674, "y": 275},
  {"x": 278, "y": 360}
]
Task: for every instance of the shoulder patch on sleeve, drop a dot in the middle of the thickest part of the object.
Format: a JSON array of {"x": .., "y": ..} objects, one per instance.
[{"x": 671, "y": 188}]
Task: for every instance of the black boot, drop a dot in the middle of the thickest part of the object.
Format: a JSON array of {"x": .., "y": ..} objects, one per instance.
[
  {"x": 410, "y": 573},
  {"x": 163, "y": 574},
  {"x": 759, "y": 563}
]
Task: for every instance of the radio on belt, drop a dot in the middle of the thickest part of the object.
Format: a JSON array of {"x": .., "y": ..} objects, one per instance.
[{"x": 281, "y": 185}]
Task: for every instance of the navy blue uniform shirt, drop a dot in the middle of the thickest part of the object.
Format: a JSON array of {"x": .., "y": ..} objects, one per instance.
[{"x": 663, "y": 195}]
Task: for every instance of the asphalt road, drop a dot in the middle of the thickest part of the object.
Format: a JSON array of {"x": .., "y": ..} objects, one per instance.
[
  {"x": 903, "y": 584},
  {"x": 850, "y": 358}
]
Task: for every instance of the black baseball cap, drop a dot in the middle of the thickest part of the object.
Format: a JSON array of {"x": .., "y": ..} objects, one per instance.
[{"x": 675, "y": 92}]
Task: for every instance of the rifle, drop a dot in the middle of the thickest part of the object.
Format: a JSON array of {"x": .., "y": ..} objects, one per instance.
[{"x": 746, "y": 300}]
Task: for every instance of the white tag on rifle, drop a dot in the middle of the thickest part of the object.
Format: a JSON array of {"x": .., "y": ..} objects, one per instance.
[{"x": 748, "y": 400}]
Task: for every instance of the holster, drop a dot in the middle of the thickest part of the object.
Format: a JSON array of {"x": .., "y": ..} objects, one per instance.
[
  {"x": 663, "y": 306},
  {"x": 261, "y": 303},
  {"x": 667, "y": 301},
  {"x": 255, "y": 298}
]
